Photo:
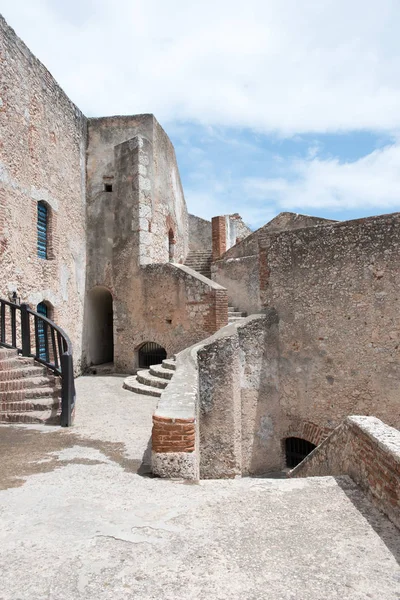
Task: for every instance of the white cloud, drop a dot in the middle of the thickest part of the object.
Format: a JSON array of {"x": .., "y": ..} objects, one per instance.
[
  {"x": 277, "y": 66},
  {"x": 373, "y": 181}
]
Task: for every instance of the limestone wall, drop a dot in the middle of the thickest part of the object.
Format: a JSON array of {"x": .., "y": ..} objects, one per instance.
[
  {"x": 199, "y": 234},
  {"x": 238, "y": 269},
  {"x": 42, "y": 158},
  {"x": 169, "y": 304},
  {"x": 368, "y": 451},
  {"x": 335, "y": 291},
  {"x": 327, "y": 348}
]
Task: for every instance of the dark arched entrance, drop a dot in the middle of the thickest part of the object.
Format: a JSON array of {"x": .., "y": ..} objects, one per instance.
[
  {"x": 296, "y": 449},
  {"x": 171, "y": 245},
  {"x": 151, "y": 354},
  {"x": 101, "y": 335}
]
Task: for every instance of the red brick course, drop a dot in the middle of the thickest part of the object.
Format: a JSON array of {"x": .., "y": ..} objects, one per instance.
[{"x": 173, "y": 435}]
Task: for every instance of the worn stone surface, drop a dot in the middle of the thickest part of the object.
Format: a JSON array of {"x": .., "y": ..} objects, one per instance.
[
  {"x": 42, "y": 158},
  {"x": 124, "y": 536}
]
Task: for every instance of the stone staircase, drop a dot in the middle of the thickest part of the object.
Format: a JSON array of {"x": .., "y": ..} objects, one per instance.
[
  {"x": 200, "y": 261},
  {"x": 235, "y": 315},
  {"x": 152, "y": 381},
  {"x": 29, "y": 393}
]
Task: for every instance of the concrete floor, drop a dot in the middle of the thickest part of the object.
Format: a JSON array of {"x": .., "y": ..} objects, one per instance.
[{"x": 78, "y": 521}]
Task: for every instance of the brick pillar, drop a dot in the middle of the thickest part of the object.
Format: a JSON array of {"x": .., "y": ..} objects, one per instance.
[{"x": 218, "y": 237}]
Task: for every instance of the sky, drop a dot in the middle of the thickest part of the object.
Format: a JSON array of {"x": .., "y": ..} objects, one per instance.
[{"x": 272, "y": 105}]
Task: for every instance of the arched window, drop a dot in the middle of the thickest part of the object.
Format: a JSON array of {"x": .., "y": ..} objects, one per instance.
[
  {"x": 296, "y": 450},
  {"x": 42, "y": 230},
  {"x": 151, "y": 354}
]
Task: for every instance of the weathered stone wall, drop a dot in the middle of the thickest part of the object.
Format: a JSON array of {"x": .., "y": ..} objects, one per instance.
[
  {"x": 240, "y": 276},
  {"x": 199, "y": 234},
  {"x": 42, "y": 158},
  {"x": 169, "y": 304},
  {"x": 142, "y": 221},
  {"x": 330, "y": 344},
  {"x": 335, "y": 291},
  {"x": 368, "y": 451},
  {"x": 239, "y": 268}
]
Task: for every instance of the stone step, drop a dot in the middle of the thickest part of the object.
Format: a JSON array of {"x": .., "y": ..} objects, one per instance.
[
  {"x": 21, "y": 395},
  {"x": 236, "y": 313},
  {"x": 32, "y": 404},
  {"x": 24, "y": 383},
  {"x": 169, "y": 363},
  {"x": 160, "y": 371},
  {"x": 49, "y": 417},
  {"x": 147, "y": 379},
  {"x": 22, "y": 372},
  {"x": 131, "y": 384},
  {"x": 235, "y": 319}
]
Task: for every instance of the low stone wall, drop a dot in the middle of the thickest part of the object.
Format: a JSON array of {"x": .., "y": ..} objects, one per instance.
[
  {"x": 369, "y": 452},
  {"x": 175, "y": 423}
]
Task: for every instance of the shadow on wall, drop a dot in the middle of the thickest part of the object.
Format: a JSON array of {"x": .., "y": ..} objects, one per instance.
[{"x": 99, "y": 326}]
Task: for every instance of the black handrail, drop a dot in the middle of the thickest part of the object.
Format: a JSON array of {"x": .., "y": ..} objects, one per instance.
[{"x": 55, "y": 352}]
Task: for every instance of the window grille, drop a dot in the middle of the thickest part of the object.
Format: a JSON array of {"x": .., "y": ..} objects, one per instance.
[
  {"x": 42, "y": 230},
  {"x": 151, "y": 354},
  {"x": 296, "y": 451}
]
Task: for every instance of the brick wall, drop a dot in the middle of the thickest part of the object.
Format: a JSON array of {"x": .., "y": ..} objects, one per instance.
[
  {"x": 173, "y": 435},
  {"x": 218, "y": 236},
  {"x": 369, "y": 452}
]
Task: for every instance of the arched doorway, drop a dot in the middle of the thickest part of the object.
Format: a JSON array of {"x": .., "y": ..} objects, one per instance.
[
  {"x": 101, "y": 334},
  {"x": 296, "y": 449},
  {"x": 150, "y": 354},
  {"x": 171, "y": 245}
]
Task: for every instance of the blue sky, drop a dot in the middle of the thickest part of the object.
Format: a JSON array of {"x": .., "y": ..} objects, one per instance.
[{"x": 271, "y": 105}]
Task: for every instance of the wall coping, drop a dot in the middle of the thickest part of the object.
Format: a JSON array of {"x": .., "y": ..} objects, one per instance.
[{"x": 384, "y": 436}]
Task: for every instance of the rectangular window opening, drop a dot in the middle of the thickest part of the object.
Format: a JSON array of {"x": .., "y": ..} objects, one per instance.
[{"x": 108, "y": 187}]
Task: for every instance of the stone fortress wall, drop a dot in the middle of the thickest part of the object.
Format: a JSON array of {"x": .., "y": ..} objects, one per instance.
[
  {"x": 42, "y": 158},
  {"x": 116, "y": 208}
]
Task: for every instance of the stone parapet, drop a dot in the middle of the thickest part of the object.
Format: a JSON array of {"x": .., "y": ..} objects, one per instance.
[{"x": 369, "y": 452}]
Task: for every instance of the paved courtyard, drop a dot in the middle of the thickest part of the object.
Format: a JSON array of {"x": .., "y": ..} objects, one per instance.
[{"x": 79, "y": 518}]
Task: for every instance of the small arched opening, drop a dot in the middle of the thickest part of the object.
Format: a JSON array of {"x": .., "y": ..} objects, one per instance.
[
  {"x": 296, "y": 449},
  {"x": 101, "y": 326},
  {"x": 150, "y": 354},
  {"x": 171, "y": 245}
]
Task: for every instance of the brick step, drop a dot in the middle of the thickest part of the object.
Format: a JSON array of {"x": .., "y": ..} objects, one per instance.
[
  {"x": 6, "y": 353},
  {"x": 160, "y": 371},
  {"x": 48, "y": 417},
  {"x": 15, "y": 363},
  {"x": 24, "y": 383},
  {"x": 131, "y": 384},
  {"x": 169, "y": 363},
  {"x": 22, "y": 372},
  {"x": 147, "y": 379},
  {"x": 32, "y": 404},
  {"x": 21, "y": 395}
]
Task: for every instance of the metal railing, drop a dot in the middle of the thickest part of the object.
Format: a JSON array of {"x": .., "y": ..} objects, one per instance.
[{"x": 36, "y": 336}]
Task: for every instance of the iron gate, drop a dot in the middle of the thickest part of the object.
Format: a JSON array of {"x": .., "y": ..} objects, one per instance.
[
  {"x": 151, "y": 354},
  {"x": 296, "y": 450}
]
